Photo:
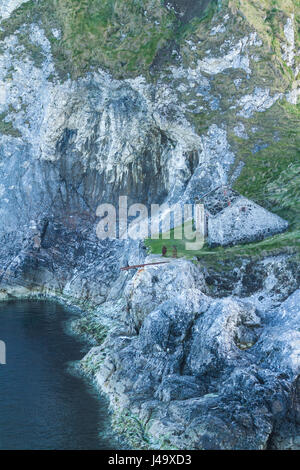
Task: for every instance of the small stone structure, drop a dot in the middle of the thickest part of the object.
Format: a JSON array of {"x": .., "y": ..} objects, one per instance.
[{"x": 232, "y": 218}]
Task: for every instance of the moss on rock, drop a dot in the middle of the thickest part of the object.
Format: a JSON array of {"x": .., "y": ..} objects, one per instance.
[
  {"x": 89, "y": 326},
  {"x": 123, "y": 37}
]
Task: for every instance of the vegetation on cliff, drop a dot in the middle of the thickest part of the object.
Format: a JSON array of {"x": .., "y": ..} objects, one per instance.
[
  {"x": 121, "y": 36},
  {"x": 130, "y": 38}
]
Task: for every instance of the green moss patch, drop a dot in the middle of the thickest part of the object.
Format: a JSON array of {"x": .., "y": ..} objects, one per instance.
[
  {"x": 89, "y": 326},
  {"x": 168, "y": 240},
  {"x": 122, "y": 36}
]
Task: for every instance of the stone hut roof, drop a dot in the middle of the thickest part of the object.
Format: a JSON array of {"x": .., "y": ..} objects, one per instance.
[{"x": 233, "y": 218}]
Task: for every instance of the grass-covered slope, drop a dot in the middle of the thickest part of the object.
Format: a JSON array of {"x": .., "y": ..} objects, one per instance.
[
  {"x": 114, "y": 33},
  {"x": 126, "y": 37},
  {"x": 121, "y": 36}
]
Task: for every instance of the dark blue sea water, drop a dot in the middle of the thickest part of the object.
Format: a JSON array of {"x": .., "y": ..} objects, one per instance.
[{"x": 42, "y": 404}]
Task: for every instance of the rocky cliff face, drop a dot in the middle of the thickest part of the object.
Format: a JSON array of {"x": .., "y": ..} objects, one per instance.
[{"x": 159, "y": 101}]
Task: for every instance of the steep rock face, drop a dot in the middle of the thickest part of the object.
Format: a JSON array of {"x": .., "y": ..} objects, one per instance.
[
  {"x": 200, "y": 372},
  {"x": 205, "y": 103}
]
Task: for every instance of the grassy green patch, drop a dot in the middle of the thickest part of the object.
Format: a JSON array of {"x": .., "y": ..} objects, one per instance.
[
  {"x": 125, "y": 36},
  {"x": 265, "y": 15},
  {"x": 288, "y": 242},
  {"x": 118, "y": 35},
  {"x": 113, "y": 32},
  {"x": 122, "y": 36},
  {"x": 169, "y": 240}
]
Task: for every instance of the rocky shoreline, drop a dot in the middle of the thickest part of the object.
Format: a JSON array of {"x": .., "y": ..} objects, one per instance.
[
  {"x": 128, "y": 428},
  {"x": 183, "y": 369}
]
